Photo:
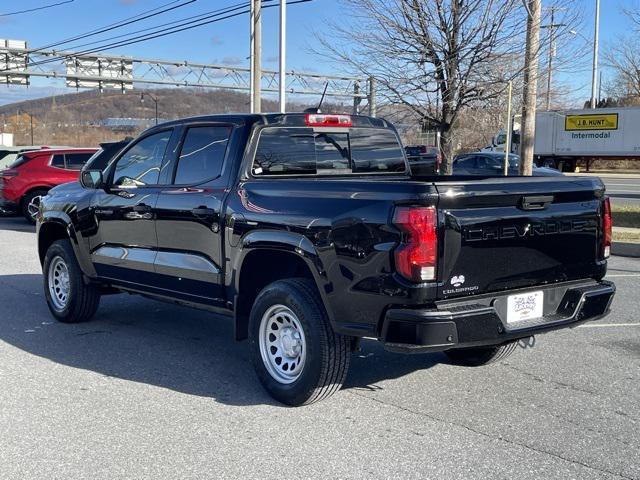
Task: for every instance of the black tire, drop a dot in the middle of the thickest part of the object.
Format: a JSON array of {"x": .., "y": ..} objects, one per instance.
[
  {"x": 476, "y": 357},
  {"x": 26, "y": 202},
  {"x": 82, "y": 300},
  {"x": 327, "y": 354}
]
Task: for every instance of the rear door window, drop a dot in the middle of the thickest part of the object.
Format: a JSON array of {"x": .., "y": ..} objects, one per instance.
[
  {"x": 58, "y": 160},
  {"x": 202, "y": 154},
  {"x": 75, "y": 161},
  {"x": 303, "y": 151}
]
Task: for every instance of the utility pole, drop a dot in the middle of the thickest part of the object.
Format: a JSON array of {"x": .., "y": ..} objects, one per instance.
[
  {"x": 283, "y": 56},
  {"x": 530, "y": 86},
  {"x": 372, "y": 97},
  {"x": 252, "y": 47},
  {"x": 594, "y": 71},
  {"x": 256, "y": 55}
]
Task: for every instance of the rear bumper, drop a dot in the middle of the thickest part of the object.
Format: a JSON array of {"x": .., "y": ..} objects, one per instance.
[
  {"x": 481, "y": 321},
  {"x": 6, "y": 206}
]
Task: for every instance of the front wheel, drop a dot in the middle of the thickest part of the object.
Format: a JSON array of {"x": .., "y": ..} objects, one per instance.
[
  {"x": 297, "y": 356},
  {"x": 69, "y": 298},
  {"x": 476, "y": 357}
]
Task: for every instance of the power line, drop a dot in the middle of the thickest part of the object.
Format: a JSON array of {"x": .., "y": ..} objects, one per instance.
[
  {"x": 36, "y": 8},
  {"x": 121, "y": 23},
  {"x": 201, "y": 16},
  {"x": 162, "y": 32}
]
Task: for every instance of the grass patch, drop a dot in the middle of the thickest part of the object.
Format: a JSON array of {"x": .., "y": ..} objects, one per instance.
[
  {"x": 626, "y": 237},
  {"x": 626, "y": 216}
]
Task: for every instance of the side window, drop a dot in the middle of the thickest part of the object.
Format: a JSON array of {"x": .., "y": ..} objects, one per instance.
[
  {"x": 75, "y": 161},
  {"x": 58, "y": 161},
  {"x": 285, "y": 151},
  {"x": 466, "y": 162},
  {"x": 141, "y": 164},
  {"x": 202, "y": 154}
]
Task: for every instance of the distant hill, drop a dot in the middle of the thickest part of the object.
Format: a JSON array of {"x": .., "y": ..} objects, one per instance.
[{"x": 78, "y": 119}]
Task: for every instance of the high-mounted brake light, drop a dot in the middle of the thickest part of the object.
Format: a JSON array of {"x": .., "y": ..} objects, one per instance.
[
  {"x": 322, "y": 120},
  {"x": 416, "y": 256},
  {"x": 607, "y": 223}
]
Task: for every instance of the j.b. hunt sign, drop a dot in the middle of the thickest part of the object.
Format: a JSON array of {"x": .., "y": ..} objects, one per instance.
[{"x": 605, "y": 121}]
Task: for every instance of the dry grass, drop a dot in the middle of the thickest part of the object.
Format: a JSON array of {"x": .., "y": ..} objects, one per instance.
[{"x": 626, "y": 216}]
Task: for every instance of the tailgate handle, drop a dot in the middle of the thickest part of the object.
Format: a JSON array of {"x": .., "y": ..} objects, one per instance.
[{"x": 538, "y": 202}]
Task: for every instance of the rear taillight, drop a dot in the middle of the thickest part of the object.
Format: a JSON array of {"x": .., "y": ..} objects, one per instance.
[
  {"x": 417, "y": 254},
  {"x": 607, "y": 226},
  {"x": 9, "y": 173}
]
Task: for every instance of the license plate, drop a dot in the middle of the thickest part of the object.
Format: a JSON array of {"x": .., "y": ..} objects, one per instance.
[{"x": 525, "y": 306}]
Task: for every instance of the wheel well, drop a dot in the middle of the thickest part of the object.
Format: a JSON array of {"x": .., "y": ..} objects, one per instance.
[
  {"x": 49, "y": 233},
  {"x": 31, "y": 190},
  {"x": 259, "y": 269}
]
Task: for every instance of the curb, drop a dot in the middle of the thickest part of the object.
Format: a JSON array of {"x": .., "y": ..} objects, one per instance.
[{"x": 622, "y": 249}]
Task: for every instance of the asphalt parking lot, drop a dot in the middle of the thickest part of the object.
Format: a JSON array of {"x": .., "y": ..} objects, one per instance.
[{"x": 149, "y": 390}]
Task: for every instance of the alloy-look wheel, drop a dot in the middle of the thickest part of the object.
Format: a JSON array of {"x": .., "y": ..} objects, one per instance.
[
  {"x": 70, "y": 299},
  {"x": 298, "y": 357}
]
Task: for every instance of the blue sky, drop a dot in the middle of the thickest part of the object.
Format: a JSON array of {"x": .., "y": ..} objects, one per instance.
[{"x": 225, "y": 42}]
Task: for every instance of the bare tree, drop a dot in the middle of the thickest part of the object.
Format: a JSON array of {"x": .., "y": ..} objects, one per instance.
[
  {"x": 623, "y": 57},
  {"x": 435, "y": 57}
]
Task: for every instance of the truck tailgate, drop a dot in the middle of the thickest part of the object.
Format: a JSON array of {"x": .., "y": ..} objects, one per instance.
[{"x": 515, "y": 232}]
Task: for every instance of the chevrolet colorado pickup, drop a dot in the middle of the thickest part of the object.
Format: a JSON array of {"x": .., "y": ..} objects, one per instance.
[{"x": 309, "y": 232}]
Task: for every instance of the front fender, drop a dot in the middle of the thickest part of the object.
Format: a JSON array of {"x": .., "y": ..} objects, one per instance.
[{"x": 60, "y": 220}]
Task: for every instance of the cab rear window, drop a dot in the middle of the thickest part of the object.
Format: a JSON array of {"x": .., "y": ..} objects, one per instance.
[{"x": 305, "y": 151}]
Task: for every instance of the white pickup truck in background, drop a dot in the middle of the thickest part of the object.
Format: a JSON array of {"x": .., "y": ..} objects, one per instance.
[{"x": 564, "y": 138}]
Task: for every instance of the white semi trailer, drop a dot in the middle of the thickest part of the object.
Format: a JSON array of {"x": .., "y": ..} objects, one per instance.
[{"x": 565, "y": 138}]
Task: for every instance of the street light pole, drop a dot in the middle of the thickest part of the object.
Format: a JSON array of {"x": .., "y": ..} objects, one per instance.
[
  {"x": 283, "y": 55},
  {"x": 594, "y": 70},
  {"x": 155, "y": 101}
]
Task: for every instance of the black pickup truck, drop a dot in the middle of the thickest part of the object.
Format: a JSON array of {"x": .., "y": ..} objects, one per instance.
[{"x": 309, "y": 232}]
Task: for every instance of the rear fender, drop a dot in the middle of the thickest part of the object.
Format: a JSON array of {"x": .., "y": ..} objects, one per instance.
[{"x": 277, "y": 240}]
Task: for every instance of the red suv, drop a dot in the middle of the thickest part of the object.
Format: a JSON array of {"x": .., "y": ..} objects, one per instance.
[{"x": 30, "y": 177}]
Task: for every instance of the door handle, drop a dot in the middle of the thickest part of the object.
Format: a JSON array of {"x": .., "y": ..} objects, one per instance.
[
  {"x": 138, "y": 216},
  {"x": 141, "y": 208},
  {"x": 203, "y": 212}
]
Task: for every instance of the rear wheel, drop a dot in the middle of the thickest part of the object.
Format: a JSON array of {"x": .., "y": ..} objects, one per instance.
[
  {"x": 69, "y": 298},
  {"x": 31, "y": 204},
  {"x": 297, "y": 356},
  {"x": 476, "y": 357}
]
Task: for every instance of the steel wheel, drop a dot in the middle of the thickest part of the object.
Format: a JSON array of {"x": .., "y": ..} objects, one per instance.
[
  {"x": 34, "y": 206},
  {"x": 59, "y": 288},
  {"x": 282, "y": 344}
]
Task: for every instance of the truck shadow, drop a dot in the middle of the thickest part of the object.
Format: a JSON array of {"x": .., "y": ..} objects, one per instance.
[
  {"x": 16, "y": 224},
  {"x": 181, "y": 349}
]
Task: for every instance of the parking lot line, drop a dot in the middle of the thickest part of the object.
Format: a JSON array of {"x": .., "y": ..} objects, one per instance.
[
  {"x": 610, "y": 325},
  {"x": 624, "y": 275}
]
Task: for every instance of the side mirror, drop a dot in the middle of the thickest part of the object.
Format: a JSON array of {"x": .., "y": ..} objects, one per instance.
[{"x": 91, "y": 179}]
